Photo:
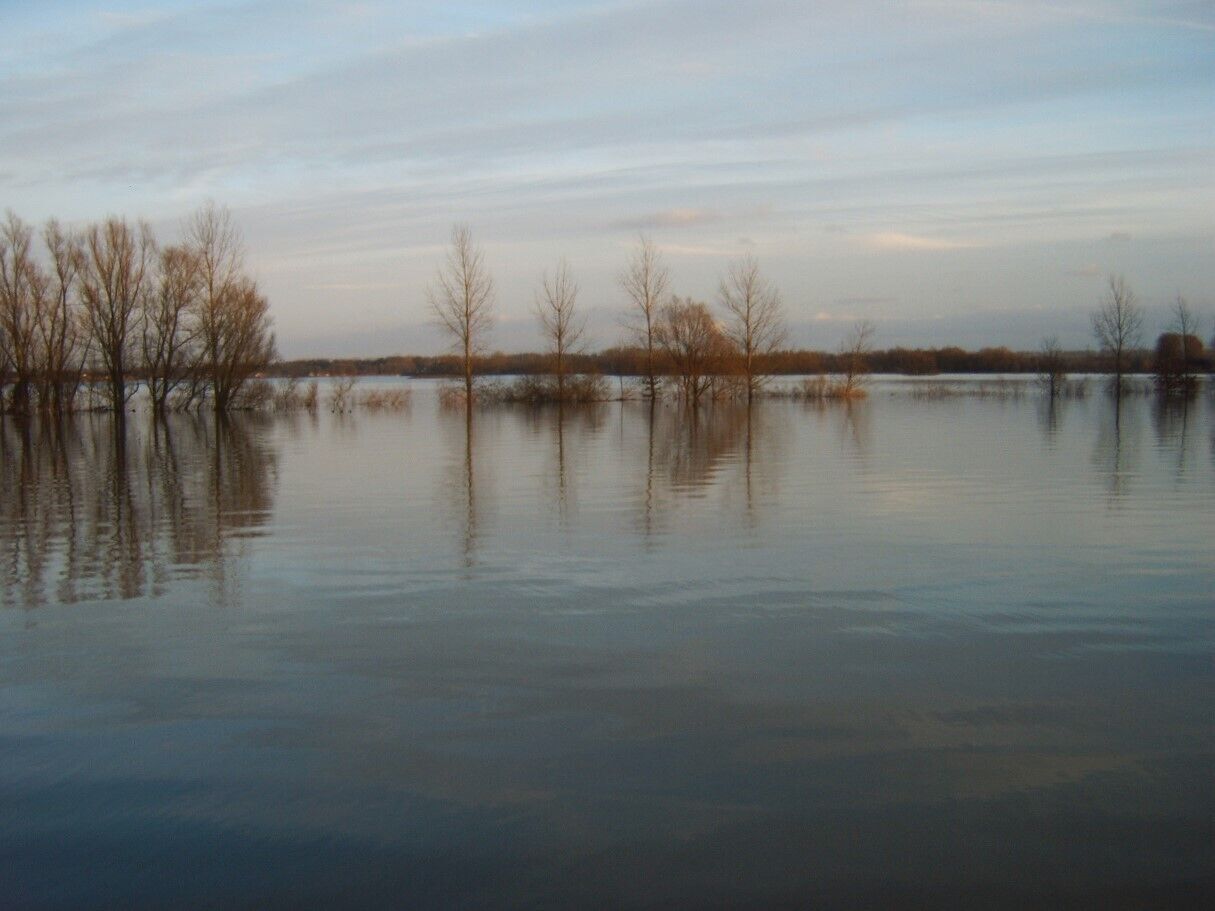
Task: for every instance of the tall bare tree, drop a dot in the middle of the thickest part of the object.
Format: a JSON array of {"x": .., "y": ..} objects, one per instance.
[
  {"x": 461, "y": 298},
  {"x": 756, "y": 325},
  {"x": 233, "y": 322},
  {"x": 170, "y": 323},
  {"x": 645, "y": 280},
  {"x": 114, "y": 271},
  {"x": 23, "y": 291},
  {"x": 61, "y": 336},
  {"x": 694, "y": 343},
  {"x": 563, "y": 329},
  {"x": 1117, "y": 325}
]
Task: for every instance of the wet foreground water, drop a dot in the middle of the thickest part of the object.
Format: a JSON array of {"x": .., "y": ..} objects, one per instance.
[{"x": 905, "y": 653}]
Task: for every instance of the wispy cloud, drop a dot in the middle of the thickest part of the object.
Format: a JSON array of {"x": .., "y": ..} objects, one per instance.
[
  {"x": 892, "y": 240},
  {"x": 670, "y": 218},
  {"x": 835, "y": 137}
]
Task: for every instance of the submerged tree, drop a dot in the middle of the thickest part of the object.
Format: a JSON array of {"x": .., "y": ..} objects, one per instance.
[
  {"x": 113, "y": 279},
  {"x": 694, "y": 343},
  {"x": 853, "y": 352},
  {"x": 233, "y": 325},
  {"x": 171, "y": 324},
  {"x": 461, "y": 298},
  {"x": 645, "y": 280},
  {"x": 61, "y": 334},
  {"x": 563, "y": 330},
  {"x": 1117, "y": 324},
  {"x": 1178, "y": 353},
  {"x": 23, "y": 295},
  {"x": 756, "y": 326},
  {"x": 1052, "y": 370}
]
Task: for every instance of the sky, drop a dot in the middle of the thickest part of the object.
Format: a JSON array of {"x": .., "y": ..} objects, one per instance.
[{"x": 956, "y": 171}]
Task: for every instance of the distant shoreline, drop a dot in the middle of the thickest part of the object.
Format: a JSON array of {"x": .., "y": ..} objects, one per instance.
[{"x": 629, "y": 362}]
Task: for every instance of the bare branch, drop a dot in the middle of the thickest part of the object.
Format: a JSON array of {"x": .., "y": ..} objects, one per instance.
[
  {"x": 756, "y": 325},
  {"x": 645, "y": 280},
  {"x": 461, "y": 298}
]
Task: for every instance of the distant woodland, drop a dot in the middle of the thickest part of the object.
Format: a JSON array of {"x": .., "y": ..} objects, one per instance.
[{"x": 631, "y": 362}]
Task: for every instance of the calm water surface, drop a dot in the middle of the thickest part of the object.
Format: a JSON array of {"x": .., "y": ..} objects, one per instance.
[{"x": 908, "y": 653}]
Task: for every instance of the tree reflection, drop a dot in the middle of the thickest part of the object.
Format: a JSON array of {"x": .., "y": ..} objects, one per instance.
[
  {"x": 1050, "y": 419},
  {"x": 691, "y": 451},
  {"x": 93, "y": 507},
  {"x": 1172, "y": 419},
  {"x": 460, "y": 485},
  {"x": 1115, "y": 453}
]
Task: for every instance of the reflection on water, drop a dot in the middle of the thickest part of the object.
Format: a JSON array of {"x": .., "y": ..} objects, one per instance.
[
  {"x": 96, "y": 508},
  {"x": 1116, "y": 451},
  {"x": 803, "y": 655}
]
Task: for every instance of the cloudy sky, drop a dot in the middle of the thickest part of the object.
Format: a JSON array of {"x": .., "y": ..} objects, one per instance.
[{"x": 958, "y": 171}]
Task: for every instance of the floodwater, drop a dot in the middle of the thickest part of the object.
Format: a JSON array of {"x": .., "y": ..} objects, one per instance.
[{"x": 912, "y": 652}]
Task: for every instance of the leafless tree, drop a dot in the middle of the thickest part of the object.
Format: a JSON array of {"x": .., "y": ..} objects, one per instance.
[
  {"x": 170, "y": 323},
  {"x": 233, "y": 324},
  {"x": 1185, "y": 324},
  {"x": 854, "y": 349},
  {"x": 563, "y": 329},
  {"x": 61, "y": 335},
  {"x": 695, "y": 344},
  {"x": 1052, "y": 373},
  {"x": 1117, "y": 325},
  {"x": 645, "y": 280},
  {"x": 23, "y": 295},
  {"x": 1178, "y": 352},
  {"x": 113, "y": 278},
  {"x": 756, "y": 325},
  {"x": 236, "y": 341},
  {"x": 461, "y": 298}
]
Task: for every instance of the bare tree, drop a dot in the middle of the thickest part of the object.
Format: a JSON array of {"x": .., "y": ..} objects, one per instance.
[
  {"x": 1178, "y": 352},
  {"x": 1117, "y": 324},
  {"x": 756, "y": 324},
  {"x": 461, "y": 298},
  {"x": 61, "y": 335},
  {"x": 113, "y": 279},
  {"x": 1185, "y": 324},
  {"x": 1052, "y": 372},
  {"x": 233, "y": 325},
  {"x": 695, "y": 344},
  {"x": 236, "y": 342},
  {"x": 853, "y": 351},
  {"x": 645, "y": 280},
  {"x": 563, "y": 329},
  {"x": 23, "y": 291},
  {"x": 170, "y": 323}
]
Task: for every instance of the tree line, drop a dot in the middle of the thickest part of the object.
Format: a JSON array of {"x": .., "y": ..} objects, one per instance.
[
  {"x": 90, "y": 314},
  {"x": 683, "y": 343},
  {"x": 87, "y": 315}
]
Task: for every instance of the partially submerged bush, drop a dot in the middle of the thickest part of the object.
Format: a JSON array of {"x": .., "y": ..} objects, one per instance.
[
  {"x": 540, "y": 390},
  {"x": 821, "y": 389},
  {"x": 1002, "y": 389},
  {"x": 341, "y": 394},
  {"x": 385, "y": 399}
]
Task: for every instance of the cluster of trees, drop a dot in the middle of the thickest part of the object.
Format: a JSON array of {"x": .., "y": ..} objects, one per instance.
[
  {"x": 107, "y": 307},
  {"x": 1118, "y": 328},
  {"x": 675, "y": 336},
  {"x": 708, "y": 355}
]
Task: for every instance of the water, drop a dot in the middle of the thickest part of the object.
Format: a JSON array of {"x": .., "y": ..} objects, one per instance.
[{"x": 904, "y": 653}]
